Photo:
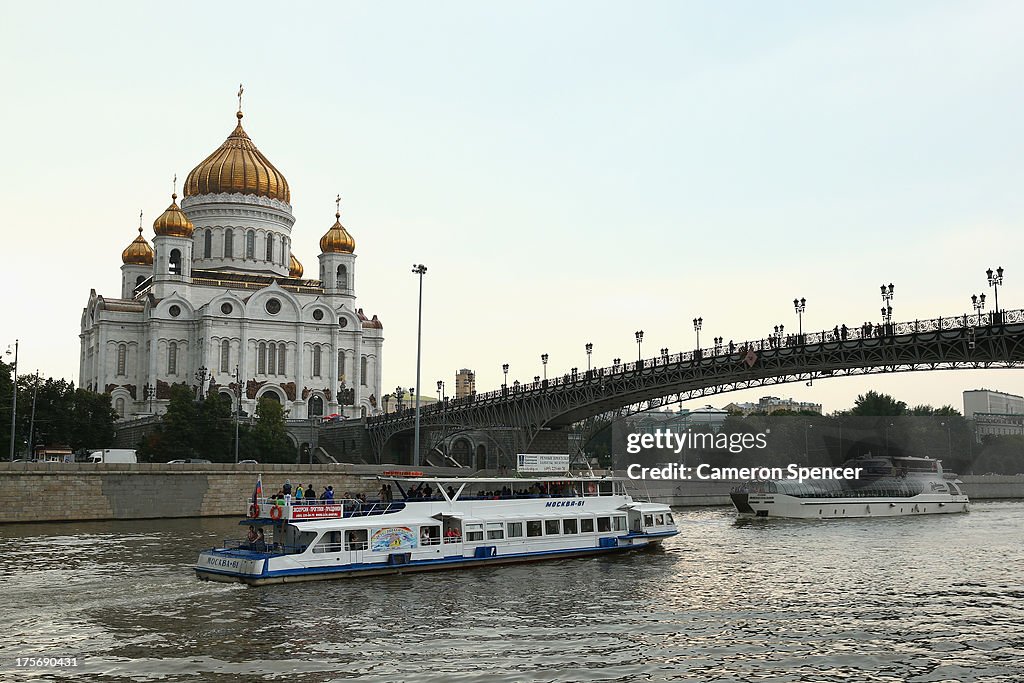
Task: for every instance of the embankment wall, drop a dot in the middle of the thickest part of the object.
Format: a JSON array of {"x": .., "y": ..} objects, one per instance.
[{"x": 37, "y": 492}]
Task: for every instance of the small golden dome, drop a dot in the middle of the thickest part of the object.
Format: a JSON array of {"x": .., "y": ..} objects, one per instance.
[
  {"x": 173, "y": 222},
  {"x": 139, "y": 252},
  {"x": 237, "y": 167},
  {"x": 337, "y": 240},
  {"x": 294, "y": 267}
]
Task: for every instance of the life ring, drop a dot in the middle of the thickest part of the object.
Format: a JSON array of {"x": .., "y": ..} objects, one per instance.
[
  {"x": 591, "y": 489},
  {"x": 254, "y": 510},
  {"x": 275, "y": 512}
]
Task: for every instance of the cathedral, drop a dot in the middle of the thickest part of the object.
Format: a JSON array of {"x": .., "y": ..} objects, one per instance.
[{"x": 219, "y": 303}]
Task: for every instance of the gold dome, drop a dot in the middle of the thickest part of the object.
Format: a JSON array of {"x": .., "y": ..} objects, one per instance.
[
  {"x": 237, "y": 167},
  {"x": 139, "y": 252},
  {"x": 337, "y": 240},
  {"x": 173, "y": 222},
  {"x": 294, "y": 267}
]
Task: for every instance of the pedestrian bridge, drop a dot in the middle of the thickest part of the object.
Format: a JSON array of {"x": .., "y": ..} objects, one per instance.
[{"x": 534, "y": 417}]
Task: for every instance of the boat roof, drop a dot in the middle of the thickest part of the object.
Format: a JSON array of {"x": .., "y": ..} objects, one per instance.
[{"x": 498, "y": 480}]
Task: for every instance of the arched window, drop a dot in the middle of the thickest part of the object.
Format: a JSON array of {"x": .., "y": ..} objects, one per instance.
[
  {"x": 119, "y": 407},
  {"x": 208, "y": 244},
  {"x": 280, "y": 359},
  {"x": 284, "y": 250},
  {"x": 316, "y": 360},
  {"x": 341, "y": 366},
  {"x": 250, "y": 244},
  {"x": 225, "y": 355},
  {"x": 229, "y": 243},
  {"x": 139, "y": 280},
  {"x": 270, "y": 248},
  {"x": 175, "y": 262},
  {"x": 342, "y": 277},
  {"x": 362, "y": 371},
  {"x": 122, "y": 359},
  {"x": 261, "y": 359},
  {"x": 172, "y": 358},
  {"x": 272, "y": 358},
  {"x": 316, "y": 406}
]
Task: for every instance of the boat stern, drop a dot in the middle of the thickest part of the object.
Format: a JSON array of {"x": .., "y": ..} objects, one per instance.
[{"x": 230, "y": 566}]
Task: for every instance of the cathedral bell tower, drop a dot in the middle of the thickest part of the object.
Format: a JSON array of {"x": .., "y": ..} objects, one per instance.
[
  {"x": 137, "y": 260},
  {"x": 173, "y": 251},
  {"x": 338, "y": 259}
]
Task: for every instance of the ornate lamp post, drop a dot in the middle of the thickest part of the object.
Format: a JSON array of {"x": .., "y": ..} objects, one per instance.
[
  {"x": 978, "y": 301},
  {"x": 800, "y": 305},
  {"x": 664, "y": 355},
  {"x": 718, "y": 344},
  {"x": 697, "y": 324},
  {"x": 779, "y": 330},
  {"x": 994, "y": 280},
  {"x": 887, "y": 307},
  {"x": 202, "y": 375},
  {"x": 148, "y": 392},
  {"x": 440, "y": 390},
  {"x": 399, "y": 395},
  {"x": 544, "y": 361},
  {"x": 616, "y": 362},
  {"x": 238, "y": 406},
  {"x": 420, "y": 270},
  {"x": 504, "y": 368},
  {"x": 639, "y": 334},
  {"x": 590, "y": 349}
]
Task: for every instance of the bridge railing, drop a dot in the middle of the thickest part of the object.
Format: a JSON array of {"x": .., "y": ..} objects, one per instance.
[{"x": 733, "y": 350}]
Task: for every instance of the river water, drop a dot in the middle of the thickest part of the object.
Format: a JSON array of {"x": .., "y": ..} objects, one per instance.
[{"x": 929, "y": 599}]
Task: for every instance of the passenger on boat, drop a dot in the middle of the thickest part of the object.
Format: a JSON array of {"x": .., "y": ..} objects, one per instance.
[
  {"x": 261, "y": 542},
  {"x": 298, "y": 494},
  {"x": 309, "y": 495},
  {"x": 251, "y": 536},
  {"x": 328, "y": 494},
  {"x": 451, "y": 491},
  {"x": 287, "y": 490}
]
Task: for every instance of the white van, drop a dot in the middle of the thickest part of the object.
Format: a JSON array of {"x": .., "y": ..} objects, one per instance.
[{"x": 120, "y": 455}]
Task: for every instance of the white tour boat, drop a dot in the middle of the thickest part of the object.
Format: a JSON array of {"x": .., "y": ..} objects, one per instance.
[
  {"x": 886, "y": 487},
  {"x": 439, "y": 523}
]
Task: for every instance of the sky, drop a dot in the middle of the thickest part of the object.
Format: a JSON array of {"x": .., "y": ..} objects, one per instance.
[{"x": 569, "y": 172}]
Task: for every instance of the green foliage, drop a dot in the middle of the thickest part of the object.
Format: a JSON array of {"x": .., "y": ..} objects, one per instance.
[
  {"x": 268, "y": 441},
  {"x": 876, "y": 404},
  {"x": 192, "y": 429}
]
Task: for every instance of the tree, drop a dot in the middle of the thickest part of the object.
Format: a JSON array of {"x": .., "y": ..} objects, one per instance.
[
  {"x": 215, "y": 429},
  {"x": 875, "y": 404},
  {"x": 267, "y": 440}
]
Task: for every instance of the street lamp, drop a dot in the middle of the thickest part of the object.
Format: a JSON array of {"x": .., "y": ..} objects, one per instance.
[
  {"x": 590, "y": 349},
  {"x": 544, "y": 360},
  {"x": 800, "y": 305},
  {"x": 202, "y": 374},
  {"x": 504, "y": 368},
  {"x": 779, "y": 331},
  {"x": 639, "y": 340},
  {"x": 440, "y": 390},
  {"x": 616, "y": 362},
  {"x": 14, "y": 394},
  {"x": 697, "y": 324},
  {"x": 664, "y": 355},
  {"x": 148, "y": 392},
  {"x": 978, "y": 301},
  {"x": 718, "y": 344},
  {"x": 994, "y": 280},
  {"x": 238, "y": 406},
  {"x": 399, "y": 395},
  {"x": 949, "y": 442},
  {"x": 887, "y": 427},
  {"x": 806, "y": 441},
  {"x": 420, "y": 270}
]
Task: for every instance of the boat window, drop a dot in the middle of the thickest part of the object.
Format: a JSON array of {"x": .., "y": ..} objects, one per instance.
[
  {"x": 328, "y": 543},
  {"x": 430, "y": 535},
  {"x": 604, "y": 524},
  {"x": 355, "y": 539},
  {"x": 659, "y": 520},
  {"x": 495, "y": 531},
  {"x": 551, "y": 527},
  {"x": 605, "y": 488},
  {"x": 668, "y": 518},
  {"x": 648, "y": 520},
  {"x": 515, "y": 529},
  {"x": 620, "y": 523},
  {"x": 534, "y": 528},
  {"x": 474, "y": 532},
  {"x": 587, "y": 526},
  {"x": 570, "y": 526}
]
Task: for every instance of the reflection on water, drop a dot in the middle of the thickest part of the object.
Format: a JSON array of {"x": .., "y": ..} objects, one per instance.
[{"x": 927, "y": 599}]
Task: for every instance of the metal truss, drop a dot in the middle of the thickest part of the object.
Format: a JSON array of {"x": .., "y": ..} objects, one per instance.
[{"x": 952, "y": 343}]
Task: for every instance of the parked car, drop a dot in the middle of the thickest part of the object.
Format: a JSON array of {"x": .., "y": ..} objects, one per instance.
[
  {"x": 247, "y": 462},
  {"x": 189, "y": 461}
]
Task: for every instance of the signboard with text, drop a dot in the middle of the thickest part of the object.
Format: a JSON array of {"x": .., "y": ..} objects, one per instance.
[
  {"x": 316, "y": 511},
  {"x": 542, "y": 462}
]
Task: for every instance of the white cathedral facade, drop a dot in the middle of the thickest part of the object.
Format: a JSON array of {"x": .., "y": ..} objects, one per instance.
[{"x": 219, "y": 303}]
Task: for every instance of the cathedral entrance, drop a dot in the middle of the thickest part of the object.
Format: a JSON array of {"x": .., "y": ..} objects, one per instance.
[{"x": 316, "y": 406}]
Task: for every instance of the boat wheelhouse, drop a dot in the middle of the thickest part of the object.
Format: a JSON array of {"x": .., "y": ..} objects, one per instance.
[
  {"x": 887, "y": 487},
  {"x": 439, "y": 523}
]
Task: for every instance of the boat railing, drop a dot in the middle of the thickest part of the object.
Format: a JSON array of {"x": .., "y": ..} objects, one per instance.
[
  {"x": 350, "y": 507},
  {"x": 267, "y": 548}
]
